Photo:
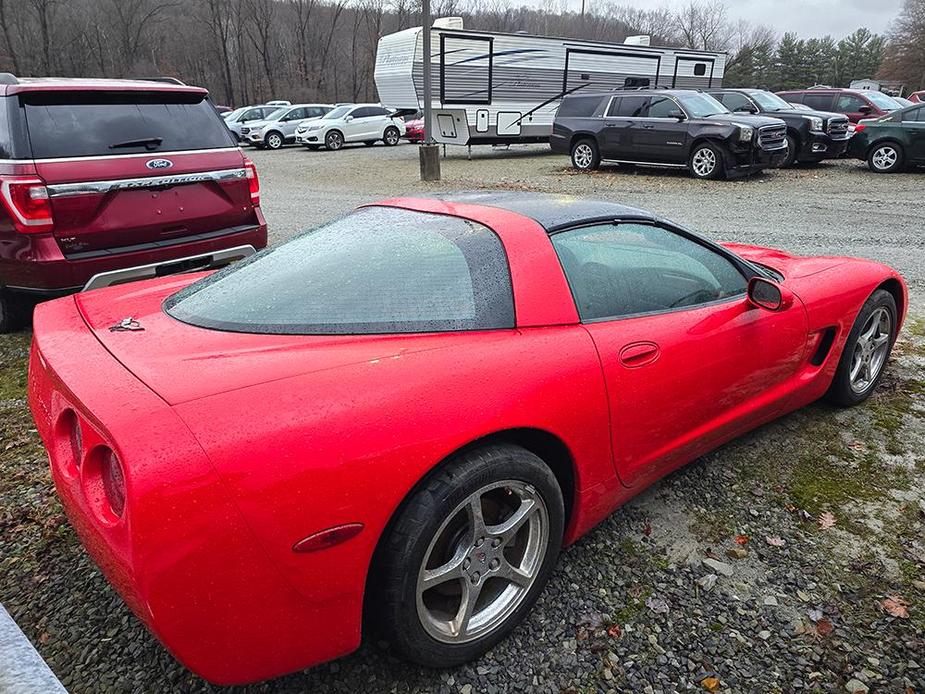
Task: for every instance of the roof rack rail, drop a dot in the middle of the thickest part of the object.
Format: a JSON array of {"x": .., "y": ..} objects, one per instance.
[
  {"x": 169, "y": 80},
  {"x": 636, "y": 89},
  {"x": 8, "y": 78}
]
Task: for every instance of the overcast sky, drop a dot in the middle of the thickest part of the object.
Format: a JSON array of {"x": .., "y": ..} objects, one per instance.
[{"x": 805, "y": 17}]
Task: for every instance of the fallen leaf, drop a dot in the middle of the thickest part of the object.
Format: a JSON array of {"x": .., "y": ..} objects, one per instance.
[
  {"x": 707, "y": 582},
  {"x": 824, "y": 627},
  {"x": 896, "y": 607},
  {"x": 857, "y": 445},
  {"x": 741, "y": 539},
  {"x": 711, "y": 684},
  {"x": 647, "y": 529},
  {"x": 615, "y": 631},
  {"x": 775, "y": 541},
  {"x": 826, "y": 520},
  {"x": 815, "y": 615},
  {"x": 44, "y": 636}
]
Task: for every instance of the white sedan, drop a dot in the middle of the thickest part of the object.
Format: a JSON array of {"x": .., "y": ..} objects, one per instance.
[{"x": 366, "y": 123}]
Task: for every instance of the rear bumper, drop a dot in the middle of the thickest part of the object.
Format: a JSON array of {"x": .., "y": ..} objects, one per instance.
[
  {"x": 182, "y": 555},
  {"x": 38, "y": 267}
]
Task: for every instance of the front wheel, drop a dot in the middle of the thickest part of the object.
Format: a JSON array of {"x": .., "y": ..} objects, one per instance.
[
  {"x": 273, "y": 140},
  {"x": 391, "y": 137},
  {"x": 334, "y": 140},
  {"x": 866, "y": 351},
  {"x": 706, "y": 161},
  {"x": 885, "y": 158},
  {"x": 585, "y": 155},
  {"x": 791, "y": 157},
  {"x": 467, "y": 556}
]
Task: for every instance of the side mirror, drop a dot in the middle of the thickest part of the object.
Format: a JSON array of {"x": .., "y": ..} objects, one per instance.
[
  {"x": 347, "y": 119},
  {"x": 767, "y": 294},
  {"x": 865, "y": 109},
  {"x": 677, "y": 113}
]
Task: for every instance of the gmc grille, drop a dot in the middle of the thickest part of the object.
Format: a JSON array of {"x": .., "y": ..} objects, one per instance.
[
  {"x": 838, "y": 127},
  {"x": 772, "y": 137}
]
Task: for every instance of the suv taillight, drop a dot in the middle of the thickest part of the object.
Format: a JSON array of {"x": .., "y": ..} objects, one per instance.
[
  {"x": 858, "y": 128},
  {"x": 253, "y": 181},
  {"x": 26, "y": 199}
]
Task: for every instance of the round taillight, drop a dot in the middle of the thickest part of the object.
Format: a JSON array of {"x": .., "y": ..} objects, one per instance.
[{"x": 113, "y": 481}]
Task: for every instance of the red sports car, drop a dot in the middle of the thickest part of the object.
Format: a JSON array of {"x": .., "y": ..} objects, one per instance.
[
  {"x": 396, "y": 420},
  {"x": 414, "y": 130}
]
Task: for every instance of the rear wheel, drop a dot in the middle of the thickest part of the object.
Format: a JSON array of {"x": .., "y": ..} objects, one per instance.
[
  {"x": 334, "y": 140},
  {"x": 467, "y": 556},
  {"x": 585, "y": 155},
  {"x": 866, "y": 351},
  {"x": 706, "y": 161},
  {"x": 391, "y": 137},
  {"x": 886, "y": 157},
  {"x": 273, "y": 140}
]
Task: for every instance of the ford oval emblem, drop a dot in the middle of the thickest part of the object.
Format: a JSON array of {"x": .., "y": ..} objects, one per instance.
[{"x": 159, "y": 163}]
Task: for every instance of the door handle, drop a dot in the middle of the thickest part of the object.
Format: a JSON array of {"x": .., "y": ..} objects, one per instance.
[
  {"x": 639, "y": 354},
  {"x": 649, "y": 127}
]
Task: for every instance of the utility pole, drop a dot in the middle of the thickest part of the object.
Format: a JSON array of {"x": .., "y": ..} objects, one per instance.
[{"x": 429, "y": 152}]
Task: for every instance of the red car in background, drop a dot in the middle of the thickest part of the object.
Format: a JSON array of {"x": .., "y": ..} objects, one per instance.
[
  {"x": 106, "y": 181},
  {"x": 450, "y": 388},
  {"x": 854, "y": 103},
  {"x": 414, "y": 127},
  {"x": 917, "y": 97}
]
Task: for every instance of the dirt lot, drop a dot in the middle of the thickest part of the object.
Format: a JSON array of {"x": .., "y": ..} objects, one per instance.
[{"x": 790, "y": 605}]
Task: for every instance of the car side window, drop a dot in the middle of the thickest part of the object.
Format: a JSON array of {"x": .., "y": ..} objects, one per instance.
[
  {"x": 295, "y": 114},
  {"x": 361, "y": 112},
  {"x": 915, "y": 115},
  {"x": 378, "y": 112},
  {"x": 625, "y": 269},
  {"x": 822, "y": 102},
  {"x": 629, "y": 107},
  {"x": 848, "y": 103},
  {"x": 662, "y": 107},
  {"x": 734, "y": 101}
]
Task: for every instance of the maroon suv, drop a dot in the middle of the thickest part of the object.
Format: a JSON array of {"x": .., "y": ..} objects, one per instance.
[
  {"x": 854, "y": 103},
  {"x": 107, "y": 181}
]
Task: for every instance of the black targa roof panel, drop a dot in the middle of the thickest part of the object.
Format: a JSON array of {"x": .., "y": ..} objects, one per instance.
[{"x": 552, "y": 212}]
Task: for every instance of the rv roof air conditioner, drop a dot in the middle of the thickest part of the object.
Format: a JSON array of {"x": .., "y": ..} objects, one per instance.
[
  {"x": 448, "y": 23},
  {"x": 641, "y": 40}
]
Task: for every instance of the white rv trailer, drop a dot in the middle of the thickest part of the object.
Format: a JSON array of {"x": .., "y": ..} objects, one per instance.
[{"x": 493, "y": 88}]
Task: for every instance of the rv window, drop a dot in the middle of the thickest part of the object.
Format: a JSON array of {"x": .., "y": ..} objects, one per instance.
[
  {"x": 700, "y": 69},
  {"x": 578, "y": 106},
  {"x": 629, "y": 107}
]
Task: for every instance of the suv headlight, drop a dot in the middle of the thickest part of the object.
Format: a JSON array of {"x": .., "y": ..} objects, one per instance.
[
  {"x": 746, "y": 133},
  {"x": 815, "y": 123}
]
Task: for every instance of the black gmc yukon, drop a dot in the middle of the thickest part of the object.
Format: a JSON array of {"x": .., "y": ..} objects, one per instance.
[
  {"x": 666, "y": 127},
  {"x": 811, "y": 135}
]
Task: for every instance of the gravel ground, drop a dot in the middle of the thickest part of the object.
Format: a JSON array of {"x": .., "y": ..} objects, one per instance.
[{"x": 721, "y": 576}]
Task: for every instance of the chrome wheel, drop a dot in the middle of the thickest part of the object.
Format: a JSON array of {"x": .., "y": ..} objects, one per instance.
[
  {"x": 334, "y": 140},
  {"x": 482, "y": 561},
  {"x": 703, "y": 162},
  {"x": 583, "y": 156},
  {"x": 871, "y": 350},
  {"x": 884, "y": 157},
  {"x": 391, "y": 137},
  {"x": 274, "y": 141}
]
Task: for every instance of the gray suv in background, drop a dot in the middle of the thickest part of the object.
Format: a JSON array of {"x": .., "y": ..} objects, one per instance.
[
  {"x": 240, "y": 117},
  {"x": 279, "y": 127}
]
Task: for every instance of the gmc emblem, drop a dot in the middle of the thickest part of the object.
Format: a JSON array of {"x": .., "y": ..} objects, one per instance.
[{"x": 159, "y": 163}]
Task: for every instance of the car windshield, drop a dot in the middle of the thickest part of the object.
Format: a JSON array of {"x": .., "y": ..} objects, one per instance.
[
  {"x": 338, "y": 112},
  {"x": 277, "y": 114},
  {"x": 770, "y": 102},
  {"x": 701, "y": 105},
  {"x": 881, "y": 100},
  {"x": 378, "y": 270}
]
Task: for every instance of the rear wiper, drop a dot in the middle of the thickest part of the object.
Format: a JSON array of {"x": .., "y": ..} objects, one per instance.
[{"x": 149, "y": 143}]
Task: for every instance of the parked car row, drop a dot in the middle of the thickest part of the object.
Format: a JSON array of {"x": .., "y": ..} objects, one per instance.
[
  {"x": 316, "y": 125},
  {"x": 735, "y": 132}
]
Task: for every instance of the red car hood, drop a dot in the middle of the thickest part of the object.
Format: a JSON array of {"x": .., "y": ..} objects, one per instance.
[
  {"x": 789, "y": 265},
  {"x": 181, "y": 362}
]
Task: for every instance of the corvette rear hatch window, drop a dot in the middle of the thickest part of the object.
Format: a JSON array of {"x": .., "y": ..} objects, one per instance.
[
  {"x": 81, "y": 124},
  {"x": 378, "y": 270}
]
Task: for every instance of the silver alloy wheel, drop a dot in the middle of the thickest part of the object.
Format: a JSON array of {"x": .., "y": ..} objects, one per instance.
[
  {"x": 871, "y": 350},
  {"x": 334, "y": 140},
  {"x": 704, "y": 162},
  {"x": 391, "y": 136},
  {"x": 583, "y": 156},
  {"x": 482, "y": 561},
  {"x": 885, "y": 157},
  {"x": 274, "y": 141}
]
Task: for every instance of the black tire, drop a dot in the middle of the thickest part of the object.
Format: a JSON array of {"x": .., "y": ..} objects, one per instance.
[
  {"x": 334, "y": 140},
  {"x": 706, "y": 152},
  {"x": 391, "y": 136},
  {"x": 400, "y": 557},
  {"x": 842, "y": 392},
  {"x": 886, "y": 157},
  {"x": 585, "y": 155},
  {"x": 791, "y": 157},
  {"x": 12, "y": 312},
  {"x": 274, "y": 140}
]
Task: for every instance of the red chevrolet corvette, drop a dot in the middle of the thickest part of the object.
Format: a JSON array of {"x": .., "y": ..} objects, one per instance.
[{"x": 396, "y": 420}]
